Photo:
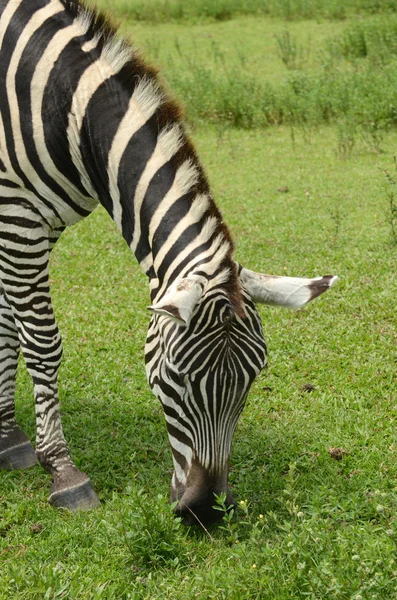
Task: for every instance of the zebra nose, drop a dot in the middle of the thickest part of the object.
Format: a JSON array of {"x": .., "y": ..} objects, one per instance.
[{"x": 196, "y": 507}]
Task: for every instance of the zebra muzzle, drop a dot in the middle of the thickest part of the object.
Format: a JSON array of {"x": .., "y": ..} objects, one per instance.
[{"x": 197, "y": 498}]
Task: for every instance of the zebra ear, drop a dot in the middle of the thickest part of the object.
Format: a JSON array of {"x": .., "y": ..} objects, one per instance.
[
  {"x": 180, "y": 300},
  {"x": 291, "y": 292}
]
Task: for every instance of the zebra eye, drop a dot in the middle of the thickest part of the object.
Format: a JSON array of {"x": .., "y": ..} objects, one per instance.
[
  {"x": 227, "y": 314},
  {"x": 174, "y": 374}
]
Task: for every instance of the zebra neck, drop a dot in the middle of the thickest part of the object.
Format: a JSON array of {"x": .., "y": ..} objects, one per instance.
[
  {"x": 132, "y": 153},
  {"x": 153, "y": 186}
]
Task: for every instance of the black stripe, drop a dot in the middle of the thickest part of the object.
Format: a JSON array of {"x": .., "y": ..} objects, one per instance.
[
  {"x": 176, "y": 212},
  {"x": 5, "y": 256},
  {"x": 41, "y": 285},
  {"x": 181, "y": 460},
  {"x": 22, "y": 202},
  {"x": 135, "y": 158},
  {"x": 23, "y": 241},
  {"x": 157, "y": 189},
  {"x": 104, "y": 113},
  {"x": 7, "y": 182},
  {"x": 179, "y": 435},
  {"x": 20, "y": 222},
  {"x": 30, "y": 57},
  {"x": 57, "y": 100},
  {"x": 187, "y": 236},
  {"x": 19, "y": 20},
  {"x": 17, "y": 25}
]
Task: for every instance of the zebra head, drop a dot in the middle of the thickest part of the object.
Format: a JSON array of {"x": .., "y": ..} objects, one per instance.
[{"x": 202, "y": 356}]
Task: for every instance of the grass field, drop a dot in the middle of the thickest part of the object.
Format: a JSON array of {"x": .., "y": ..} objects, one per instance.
[{"x": 308, "y": 525}]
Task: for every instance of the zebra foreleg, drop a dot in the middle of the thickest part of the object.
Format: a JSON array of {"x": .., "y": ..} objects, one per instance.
[
  {"x": 41, "y": 346},
  {"x": 16, "y": 451},
  {"x": 71, "y": 488}
]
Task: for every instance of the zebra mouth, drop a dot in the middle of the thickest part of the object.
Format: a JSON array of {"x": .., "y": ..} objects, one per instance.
[
  {"x": 196, "y": 500},
  {"x": 199, "y": 509}
]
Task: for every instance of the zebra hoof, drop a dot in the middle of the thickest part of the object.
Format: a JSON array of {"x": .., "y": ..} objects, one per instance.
[
  {"x": 77, "y": 497},
  {"x": 16, "y": 451},
  {"x": 18, "y": 457}
]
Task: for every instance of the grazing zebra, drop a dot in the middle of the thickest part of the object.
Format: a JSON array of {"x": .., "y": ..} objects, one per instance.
[{"x": 83, "y": 120}]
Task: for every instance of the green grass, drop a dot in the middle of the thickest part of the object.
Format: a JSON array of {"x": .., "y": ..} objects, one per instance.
[
  {"x": 255, "y": 72},
  {"x": 160, "y": 11},
  {"x": 309, "y": 526},
  {"x": 328, "y": 528}
]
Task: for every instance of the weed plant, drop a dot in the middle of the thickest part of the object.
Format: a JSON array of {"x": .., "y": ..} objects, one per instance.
[
  {"x": 375, "y": 40},
  {"x": 363, "y": 98},
  {"x": 291, "y": 52},
  {"x": 392, "y": 202}
]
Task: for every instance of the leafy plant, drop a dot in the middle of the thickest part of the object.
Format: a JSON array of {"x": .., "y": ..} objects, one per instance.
[
  {"x": 290, "y": 51},
  {"x": 392, "y": 203},
  {"x": 152, "y": 533}
]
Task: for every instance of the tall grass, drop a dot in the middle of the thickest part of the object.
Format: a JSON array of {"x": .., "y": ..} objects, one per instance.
[
  {"x": 364, "y": 97},
  {"x": 350, "y": 79},
  {"x": 159, "y": 11},
  {"x": 374, "y": 40},
  {"x": 353, "y": 83}
]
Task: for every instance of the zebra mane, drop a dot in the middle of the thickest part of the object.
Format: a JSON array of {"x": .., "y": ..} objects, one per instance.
[
  {"x": 98, "y": 26},
  {"x": 127, "y": 61}
]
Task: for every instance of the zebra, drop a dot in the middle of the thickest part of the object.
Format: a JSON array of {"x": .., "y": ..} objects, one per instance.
[{"x": 85, "y": 121}]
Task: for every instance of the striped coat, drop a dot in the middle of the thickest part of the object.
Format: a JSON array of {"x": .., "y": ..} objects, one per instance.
[{"x": 83, "y": 121}]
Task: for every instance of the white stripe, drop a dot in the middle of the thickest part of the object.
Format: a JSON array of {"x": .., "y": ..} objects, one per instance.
[
  {"x": 6, "y": 17},
  {"x": 217, "y": 250},
  {"x": 196, "y": 212},
  {"x": 35, "y": 22},
  {"x": 3, "y": 147},
  {"x": 91, "y": 44},
  {"x": 213, "y": 349},
  {"x": 169, "y": 141},
  {"x": 146, "y": 262},
  {"x": 185, "y": 178},
  {"x": 143, "y": 103},
  {"x": 198, "y": 426},
  {"x": 115, "y": 54},
  {"x": 88, "y": 84},
  {"x": 38, "y": 85}
]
